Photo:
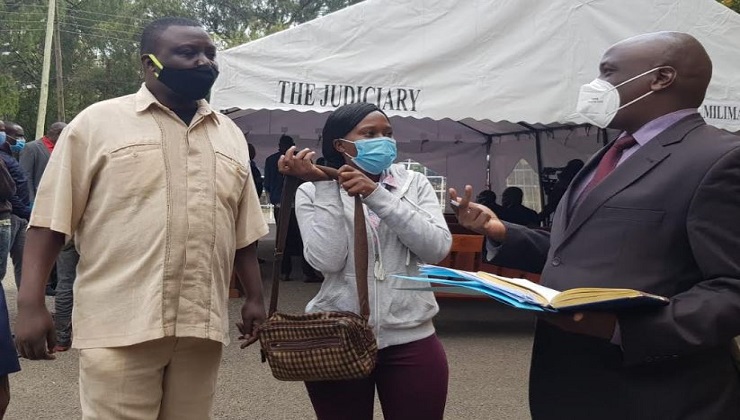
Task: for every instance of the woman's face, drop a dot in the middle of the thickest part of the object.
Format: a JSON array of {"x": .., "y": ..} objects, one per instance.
[{"x": 375, "y": 124}]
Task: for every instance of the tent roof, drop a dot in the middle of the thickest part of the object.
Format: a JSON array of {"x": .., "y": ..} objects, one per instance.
[{"x": 476, "y": 61}]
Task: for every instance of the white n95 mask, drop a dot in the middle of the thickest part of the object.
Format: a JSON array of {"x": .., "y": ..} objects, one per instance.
[{"x": 599, "y": 101}]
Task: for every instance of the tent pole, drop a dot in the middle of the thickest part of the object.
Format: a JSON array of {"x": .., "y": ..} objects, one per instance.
[
  {"x": 538, "y": 153},
  {"x": 489, "y": 142}
]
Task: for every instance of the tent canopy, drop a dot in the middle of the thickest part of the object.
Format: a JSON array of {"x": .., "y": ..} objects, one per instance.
[{"x": 459, "y": 75}]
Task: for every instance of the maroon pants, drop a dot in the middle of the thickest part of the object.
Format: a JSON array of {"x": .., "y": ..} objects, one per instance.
[{"x": 411, "y": 380}]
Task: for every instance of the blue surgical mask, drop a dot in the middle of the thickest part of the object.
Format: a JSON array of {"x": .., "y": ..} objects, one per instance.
[
  {"x": 374, "y": 155},
  {"x": 3, "y": 138},
  {"x": 20, "y": 143}
]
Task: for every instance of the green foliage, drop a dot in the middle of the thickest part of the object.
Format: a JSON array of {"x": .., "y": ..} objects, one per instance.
[
  {"x": 99, "y": 43},
  {"x": 732, "y": 4}
]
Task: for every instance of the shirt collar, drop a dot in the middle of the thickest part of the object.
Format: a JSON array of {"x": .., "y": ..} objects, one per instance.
[
  {"x": 145, "y": 99},
  {"x": 652, "y": 129},
  {"x": 387, "y": 180},
  {"x": 48, "y": 143}
]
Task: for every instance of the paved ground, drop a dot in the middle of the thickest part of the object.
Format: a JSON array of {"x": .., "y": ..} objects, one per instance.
[{"x": 488, "y": 348}]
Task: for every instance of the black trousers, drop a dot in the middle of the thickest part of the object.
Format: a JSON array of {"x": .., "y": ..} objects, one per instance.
[{"x": 293, "y": 247}]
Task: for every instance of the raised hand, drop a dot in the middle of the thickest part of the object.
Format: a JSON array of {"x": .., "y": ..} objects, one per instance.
[
  {"x": 476, "y": 217},
  {"x": 300, "y": 165},
  {"x": 356, "y": 182}
]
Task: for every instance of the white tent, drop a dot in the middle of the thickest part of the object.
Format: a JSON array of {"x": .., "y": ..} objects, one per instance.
[{"x": 460, "y": 77}]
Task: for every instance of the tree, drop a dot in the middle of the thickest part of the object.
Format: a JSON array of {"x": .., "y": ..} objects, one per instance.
[
  {"x": 732, "y": 4},
  {"x": 99, "y": 42}
]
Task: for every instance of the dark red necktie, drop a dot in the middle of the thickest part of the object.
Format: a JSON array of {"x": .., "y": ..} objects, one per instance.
[{"x": 608, "y": 163}]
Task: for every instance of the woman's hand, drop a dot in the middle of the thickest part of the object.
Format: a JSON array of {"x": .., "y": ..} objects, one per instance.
[
  {"x": 300, "y": 165},
  {"x": 355, "y": 182}
]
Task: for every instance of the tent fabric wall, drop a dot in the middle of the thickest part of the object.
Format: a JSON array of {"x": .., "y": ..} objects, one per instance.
[
  {"x": 500, "y": 60},
  {"x": 451, "y": 72}
]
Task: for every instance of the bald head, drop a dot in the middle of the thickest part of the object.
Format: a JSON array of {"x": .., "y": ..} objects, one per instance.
[
  {"x": 678, "y": 50},
  {"x": 675, "y": 69},
  {"x": 55, "y": 130}
]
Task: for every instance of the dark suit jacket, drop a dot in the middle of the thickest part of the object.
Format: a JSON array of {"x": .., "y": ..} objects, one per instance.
[
  {"x": 33, "y": 159},
  {"x": 666, "y": 221},
  {"x": 21, "y": 201}
]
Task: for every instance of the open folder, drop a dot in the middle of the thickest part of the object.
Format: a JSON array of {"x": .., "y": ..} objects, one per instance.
[{"x": 524, "y": 294}]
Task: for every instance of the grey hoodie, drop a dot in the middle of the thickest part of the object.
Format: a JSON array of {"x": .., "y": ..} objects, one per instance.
[{"x": 412, "y": 230}]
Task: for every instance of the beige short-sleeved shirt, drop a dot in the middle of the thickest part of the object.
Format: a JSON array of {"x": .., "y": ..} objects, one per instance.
[{"x": 158, "y": 210}]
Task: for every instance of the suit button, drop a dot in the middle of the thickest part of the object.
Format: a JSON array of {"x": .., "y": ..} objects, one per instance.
[{"x": 556, "y": 261}]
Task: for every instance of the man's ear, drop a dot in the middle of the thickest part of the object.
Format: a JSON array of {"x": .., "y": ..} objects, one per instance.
[
  {"x": 664, "y": 77},
  {"x": 339, "y": 146},
  {"x": 147, "y": 64}
]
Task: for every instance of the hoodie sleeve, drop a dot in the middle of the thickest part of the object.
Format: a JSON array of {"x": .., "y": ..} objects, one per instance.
[
  {"x": 320, "y": 215},
  {"x": 420, "y": 226},
  {"x": 7, "y": 185}
]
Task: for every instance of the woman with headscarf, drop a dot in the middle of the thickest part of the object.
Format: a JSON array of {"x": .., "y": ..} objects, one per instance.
[{"x": 405, "y": 227}]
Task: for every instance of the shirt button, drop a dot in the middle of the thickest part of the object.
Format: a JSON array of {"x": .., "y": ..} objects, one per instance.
[{"x": 556, "y": 261}]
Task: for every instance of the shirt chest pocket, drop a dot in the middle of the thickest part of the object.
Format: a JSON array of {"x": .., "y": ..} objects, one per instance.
[
  {"x": 231, "y": 176},
  {"x": 136, "y": 171}
]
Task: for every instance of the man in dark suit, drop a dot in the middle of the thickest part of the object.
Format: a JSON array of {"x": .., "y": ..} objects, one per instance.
[
  {"x": 514, "y": 211},
  {"x": 34, "y": 157},
  {"x": 657, "y": 211}
]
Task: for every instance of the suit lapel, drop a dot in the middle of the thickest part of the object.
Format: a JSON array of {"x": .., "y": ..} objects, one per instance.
[
  {"x": 563, "y": 212},
  {"x": 631, "y": 170},
  {"x": 579, "y": 179}
]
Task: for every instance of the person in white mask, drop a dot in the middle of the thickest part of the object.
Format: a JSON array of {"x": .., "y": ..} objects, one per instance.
[{"x": 655, "y": 210}]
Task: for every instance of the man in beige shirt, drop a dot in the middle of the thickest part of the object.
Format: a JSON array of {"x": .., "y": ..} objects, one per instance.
[{"x": 155, "y": 188}]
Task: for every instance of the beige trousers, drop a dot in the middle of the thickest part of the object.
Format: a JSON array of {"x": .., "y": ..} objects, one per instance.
[{"x": 165, "y": 379}]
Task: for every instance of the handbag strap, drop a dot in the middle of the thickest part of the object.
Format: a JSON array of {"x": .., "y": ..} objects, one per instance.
[{"x": 290, "y": 186}]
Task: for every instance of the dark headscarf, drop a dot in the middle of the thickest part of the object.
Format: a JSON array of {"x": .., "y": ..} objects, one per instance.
[{"x": 343, "y": 120}]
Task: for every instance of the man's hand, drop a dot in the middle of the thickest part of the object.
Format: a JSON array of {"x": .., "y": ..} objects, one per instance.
[
  {"x": 35, "y": 336},
  {"x": 355, "y": 182},
  {"x": 477, "y": 217},
  {"x": 595, "y": 324},
  {"x": 300, "y": 165},
  {"x": 253, "y": 315}
]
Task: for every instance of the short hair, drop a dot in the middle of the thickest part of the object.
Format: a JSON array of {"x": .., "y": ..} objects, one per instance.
[
  {"x": 486, "y": 195},
  {"x": 340, "y": 123},
  {"x": 514, "y": 193},
  {"x": 152, "y": 31},
  {"x": 55, "y": 129},
  {"x": 286, "y": 141}
]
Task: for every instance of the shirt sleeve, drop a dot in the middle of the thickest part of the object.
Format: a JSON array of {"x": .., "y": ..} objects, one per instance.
[
  {"x": 492, "y": 249},
  {"x": 62, "y": 196}
]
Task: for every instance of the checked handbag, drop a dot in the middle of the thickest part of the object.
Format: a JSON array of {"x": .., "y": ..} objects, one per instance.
[{"x": 323, "y": 346}]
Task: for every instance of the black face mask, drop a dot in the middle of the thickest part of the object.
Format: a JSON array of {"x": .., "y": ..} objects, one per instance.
[{"x": 193, "y": 83}]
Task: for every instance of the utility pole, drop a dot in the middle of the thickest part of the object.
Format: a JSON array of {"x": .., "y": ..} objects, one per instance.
[
  {"x": 44, "y": 94},
  {"x": 61, "y": 115}
]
